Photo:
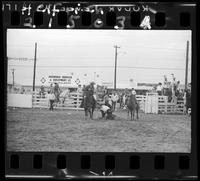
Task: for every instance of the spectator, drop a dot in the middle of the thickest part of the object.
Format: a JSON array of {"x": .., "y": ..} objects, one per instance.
[
  {"x": 51, "y": 89},
  {"x": 124, "y": 100},
  {"x": 79, "y": 89},
  {"x": 177, "y": 85},
  {"x": 159, "y": 89},
  {"x": 114, "y": 99},
  {"x": 51, "y": 98},
  {"x": 22, "y": 90},
  {"x": 154, "y": 90},
  {"x": 42, "y": 91},
  {"x": 165, "y": 85},
  {"x": 173, "y": 85},
  {"x": 121, "y": 100},
  {"x": 173, "y": 89}
]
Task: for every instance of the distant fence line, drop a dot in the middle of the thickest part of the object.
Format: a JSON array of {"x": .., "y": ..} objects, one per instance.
[{"x": 159, "y": 104}]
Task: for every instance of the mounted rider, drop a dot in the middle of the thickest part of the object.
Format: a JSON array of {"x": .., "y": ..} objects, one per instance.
[
  {"x": 87, "y": 91},
  {"x": 133, "y": 95},
  {"x": 57, "y": 91}
]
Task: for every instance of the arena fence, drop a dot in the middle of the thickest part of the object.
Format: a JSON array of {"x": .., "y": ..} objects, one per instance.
[
  {"x": 149, "y": 103},
  {"x": 159, "y": 104},
  {"x": 73, "y": 101}
]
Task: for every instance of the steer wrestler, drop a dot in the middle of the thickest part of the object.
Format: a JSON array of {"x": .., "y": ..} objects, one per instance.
[{"x": 106, "y": 112}]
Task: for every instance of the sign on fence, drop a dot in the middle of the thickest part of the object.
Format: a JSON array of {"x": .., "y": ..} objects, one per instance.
[{"x": 60, "y": 79}]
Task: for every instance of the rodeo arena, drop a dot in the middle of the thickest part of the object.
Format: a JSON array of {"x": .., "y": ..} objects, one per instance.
[{"x": 64, "y": 115}]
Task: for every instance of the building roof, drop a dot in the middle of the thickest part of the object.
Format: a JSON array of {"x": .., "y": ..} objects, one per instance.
[{"x": 128, "y": 86}]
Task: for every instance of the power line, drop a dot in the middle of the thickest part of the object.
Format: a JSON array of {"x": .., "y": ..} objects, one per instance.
[
  {"x": 79, "y": 66},
  {"x": 91, "y": 57},
  {"x": 96, "y": 45}
]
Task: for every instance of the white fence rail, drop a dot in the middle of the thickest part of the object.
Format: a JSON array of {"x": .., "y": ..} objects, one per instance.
[
  {"x": 71, "y": 102},
  {"x": 74, "y": 100}
]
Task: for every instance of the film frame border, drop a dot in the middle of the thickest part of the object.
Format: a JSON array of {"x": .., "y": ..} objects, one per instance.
[{"x": 49, "y": 159}]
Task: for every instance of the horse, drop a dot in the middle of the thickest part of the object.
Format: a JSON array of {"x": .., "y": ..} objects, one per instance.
[
  {"x": 64, "y": 95},
  {"x": 132, "y": 106},
  {"x": 89, "y": 104}
]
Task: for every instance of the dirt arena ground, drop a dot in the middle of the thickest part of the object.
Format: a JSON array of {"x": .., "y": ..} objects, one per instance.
[{"x": 66, "y": 130}]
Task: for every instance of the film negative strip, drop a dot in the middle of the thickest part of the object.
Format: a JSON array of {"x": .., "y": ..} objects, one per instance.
[{"x": 74, "y": 73}]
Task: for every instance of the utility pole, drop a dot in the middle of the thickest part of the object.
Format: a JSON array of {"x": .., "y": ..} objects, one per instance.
[
  {"x": 95, "y": 77},
  {"x": 13, "y": 74},
  {"x": 115, "y": 74},
  {"x": 186, "y": 65},
  {"x": 34, "y": 69}
]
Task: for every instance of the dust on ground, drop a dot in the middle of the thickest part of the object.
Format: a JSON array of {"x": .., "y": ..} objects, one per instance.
[{"x": 68, "y": 131}]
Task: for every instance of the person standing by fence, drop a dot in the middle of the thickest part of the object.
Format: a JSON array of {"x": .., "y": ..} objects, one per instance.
[
  {"x": 124, "y": 100},
  {"x": 50, "y": 98},
  {"x": 51, "y": 88},
  {"x": 114, "y": 98},
  {"x": 159, "y": 89},
  {"x": 173, "y": 89},
  {"x": 79, "y": 89},
  {"x": 165, "y": 85},
  {"x": 42, "y": 91},
  {"x": 121, "y": 100}
]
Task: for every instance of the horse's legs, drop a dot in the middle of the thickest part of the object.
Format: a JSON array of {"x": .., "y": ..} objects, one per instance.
[
  {"x": 86, "y": 114},
  {"x": 131, "y": 115},
  {"x": 63, "y": 101},
  {"x": 137, "y": 113},
  {"x": 91, "y": 113}
]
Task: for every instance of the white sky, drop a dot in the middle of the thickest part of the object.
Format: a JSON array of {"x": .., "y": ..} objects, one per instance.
[{"x": 144, "y": 56}]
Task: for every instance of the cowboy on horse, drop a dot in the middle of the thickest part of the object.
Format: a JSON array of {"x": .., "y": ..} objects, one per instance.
[
  {"x": 89, "y": 102},
  {"x": 132, "y": 104},
  {"x": 87, "y": 91}
]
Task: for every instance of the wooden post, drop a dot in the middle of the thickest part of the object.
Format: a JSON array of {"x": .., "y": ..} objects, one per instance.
[
  {"x": 115, "y": 72},
  {"x": 77, "y": 105},
  {"x": 13, "y": 74},
  {"x": 165, "y": 106},
  {"x": 34, "y": 68}
]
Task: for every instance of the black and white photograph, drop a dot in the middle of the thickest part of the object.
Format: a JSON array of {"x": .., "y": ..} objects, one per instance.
[{"x": 71, "y": 90}]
